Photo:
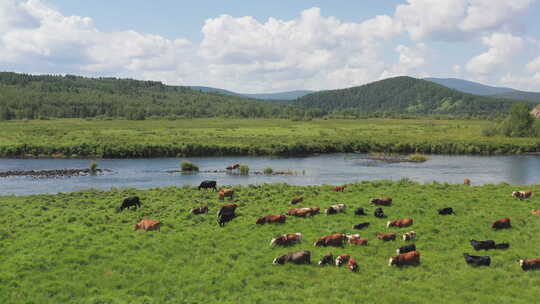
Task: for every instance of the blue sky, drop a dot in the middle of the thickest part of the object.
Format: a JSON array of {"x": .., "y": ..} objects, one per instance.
[{"x": 256, "y": 46}]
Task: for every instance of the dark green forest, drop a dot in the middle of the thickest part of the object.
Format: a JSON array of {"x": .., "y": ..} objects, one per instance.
[{"x": 24, "y": 96}]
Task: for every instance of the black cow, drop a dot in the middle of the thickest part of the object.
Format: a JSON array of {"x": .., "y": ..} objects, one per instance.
[
  {"x": 361, "y": 225},
  {"x": 476, "y": 260},
  {"x": 446, "y": 211},
  {"x": 131, "y": 201},
  {"x": 327, "y": 259},
  {"x": 406, "y": 248},
  {"x": 359, "y": 211},
  {"x": 483, "y": 245},
  {"x": 299, "y": 257},
  {"x": 379, "y": 213},
  {"x": 226, "y": 214},
  {"x": 208, "y": 184},
  {"x": 502, "y": 246},
  {"x": 224, "y": 218}
]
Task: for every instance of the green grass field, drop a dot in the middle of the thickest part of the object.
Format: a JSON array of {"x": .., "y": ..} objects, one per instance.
[
  {"x": 209, "y": 137},
  {"x": 75, "y": 248}
]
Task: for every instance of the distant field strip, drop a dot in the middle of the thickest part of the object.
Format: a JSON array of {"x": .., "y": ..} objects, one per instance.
[
  {"x": 75, "y": 247},
  {"x": 209, "y": 137}
]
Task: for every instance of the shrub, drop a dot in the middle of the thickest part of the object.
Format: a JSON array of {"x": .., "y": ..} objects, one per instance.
[
  {"x": 93, "y": 168},
  {"x": 268, "y": 170},
  {"x": 244, "y": 169},
  {"x": 417, "y": 157},
  {"x": 188, "y": 166}
]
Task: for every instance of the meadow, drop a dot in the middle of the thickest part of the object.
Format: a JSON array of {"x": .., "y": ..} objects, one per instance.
[
  {"x": 75, "y": 248},
  {"x": 214, "y": 137}
]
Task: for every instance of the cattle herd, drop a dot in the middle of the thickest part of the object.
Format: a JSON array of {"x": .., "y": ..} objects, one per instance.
[{"x": 406, "y": 254}]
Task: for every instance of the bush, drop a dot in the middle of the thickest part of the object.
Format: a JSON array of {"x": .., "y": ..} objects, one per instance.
[
  {"x": 268, "y": 170},
  {"x": 418, "y": 158},
  {"x": 188, "y": 166},
  {"x": 244, "y": 169},
  {"x": 93, "y": 168}
]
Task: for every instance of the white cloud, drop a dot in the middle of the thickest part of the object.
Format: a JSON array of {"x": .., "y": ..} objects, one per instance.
[
  {"x": 534, "y": 66},
  {"x": 502, "y": 47},
  {"x": 412, "y": 61}
]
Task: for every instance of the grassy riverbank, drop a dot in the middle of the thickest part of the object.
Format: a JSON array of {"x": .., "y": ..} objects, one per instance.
[
  {"x": 75, "y": 248},
  {"x": 212, "y": 137}
]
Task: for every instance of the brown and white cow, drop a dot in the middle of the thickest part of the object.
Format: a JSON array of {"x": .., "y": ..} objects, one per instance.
[
  {"x": 503, "y": 223},
  {"x": 300, "y": 212},
  {"x": 400, "y": 223},
  {"x": 337, "y": 239},
  {"x": 382, "y": 201},
  {"x": 326, "y": 259},
  {"x": 315, "y": 210},
  {"x": 269, "y": 219},
  {"x": 233, "y": 167},
  {"x": 298, "y": 257},
  {"x": 342, "y": 259},
  {"x": 522, "y": 194},
  {"x": 467, "y": 181},
  {"x": 386, "y": 236},
  {"x": 352, "y": 265},
  {"x": 223, "y": 193},
  {"x": 287, "y": 239},
  {"x": 355, "y": 239},
  {"x": 297, "y": 200},
  {"x": 409, "y": 258},
  {"x": 409, "y": 236},
  {"x": 339, "y": 188},
  {"x": 535, "y": 212},
  {"x": 147, "y": 225},
  {"x": 199, "y": 210},
  {"x": 529, "y": 264},
  {"x": 337, "y": 208}
]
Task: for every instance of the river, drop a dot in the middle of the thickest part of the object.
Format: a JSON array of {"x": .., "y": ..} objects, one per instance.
[{"x": 334, "y": 169}]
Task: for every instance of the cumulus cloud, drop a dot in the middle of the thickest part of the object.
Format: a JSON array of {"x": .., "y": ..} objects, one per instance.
[{"x": 502, "y": 47}]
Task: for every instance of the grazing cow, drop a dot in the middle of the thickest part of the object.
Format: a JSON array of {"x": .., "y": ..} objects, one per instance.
[
  {"x": 326, "y": 259},
  {"x": 382, "y": 201},
  {"x": 199, "y": 210},
  {"x": 355, "y": 239},
  {"x": 301, "y": 212},
  {"x": 352, "y": 265},
  {"x": 297, "y": 200},
  {"x": 298, "y": 257},
  {"x": 226, "y": 214},
  {"x": 208, "y": 184},
  {"x": 233, "y": 167},
  {"x": 529, "y": 264},
  {"x": 400, "y": 223},
  {"x": 409, "y": 258},
  {"x": 130, "y": 201},
  {"x": 483, "y": 245},
  {"x": 522, "y": 194},
  {"x": 359, "y": 211},
  {"x": 467, "y": 181},
  {"x": 379, "y": 213},
  {"x": 446, "y": 211},
  {"x": 535, "y": 212},
  {"x": 409, "y": 236},
  {"x": 269, "y": 219},
  {"x": 331, "y": 240},
  {"x": 335, "y": 209},
  {"x": 339, "y": 189},
  {"x": 386, "y": 236},
  {"x": 406, "y": 248},
  {"x": 342, "y": 259},
  {"x": 223, "y": 193},
  {"x": 315, "y": 210},
  {"x": 287, "y": 239},
  {"x": 503, "y": 223},
  {"x": 147, "y": 225},
  {"x": 475, "y": 260},
  {"x": 361, "y": 225},
  {"x": 502, "y": 246}
]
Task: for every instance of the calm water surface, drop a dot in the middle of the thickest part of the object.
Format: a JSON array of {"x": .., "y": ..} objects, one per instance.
[{"x": 332, "y": 169}]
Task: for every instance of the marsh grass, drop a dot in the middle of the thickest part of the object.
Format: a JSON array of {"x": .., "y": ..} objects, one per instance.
[
  {"x": 418, "y": 158},
  {"x": 187, "y": 166},
  {"x": 74, "y": 247}
]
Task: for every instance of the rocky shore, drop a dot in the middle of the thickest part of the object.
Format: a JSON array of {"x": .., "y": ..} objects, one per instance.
[{"x": 53, "y": 173}]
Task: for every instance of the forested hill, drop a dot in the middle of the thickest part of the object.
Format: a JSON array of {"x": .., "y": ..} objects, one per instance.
[
  {"x": 25, "y": 96},
  {"x": 405, "y": 95}
]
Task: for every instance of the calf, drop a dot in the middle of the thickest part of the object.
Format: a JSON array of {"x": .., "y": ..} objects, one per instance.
[
  {"x": 296, "y": 200},
  {"x": 409, "y": 236},
  {"x": 327, "y": 259},
  {"x": 298, "y": 257},
  {"x": 386, "y": 236},
  {"x": 382, "y": 201},
  {"x": 467, "y": 181},
  {"x": 226, "y": 214},
  {"x": 503, "y": 223},
  {"x": 352, "y": 265},
  {"x": 147, "y": 225},
  {"x": 331, "y": 240},
  {"x": 355, "y": 239},
  {"x": 406, "y": 248},
  {"x": 409, "y": 258},
  {"x": 223, "y": 193},
  {"x": 339, "y": 189},
  {"x": 130, "y": 201},
  {"x": 400, "y": 223},
  {"x": 359, "y": 211},
  {"x": 208, "y": 184},
  {"x": 475, "y": 260},
  {"x": 446, "y": 211},
  {"x": 335, "y": 209},
  {"x": 379, "y": 213},
  {"x": 529, "y": 264},
  {"x": 361, "y": 225},
  {"x": 522, "y": 194},
  {"x": 287, "y": 239},
  {"x": 342, "y": 259},
  {"x": 269, "y": 219},
  {"x": 199, "y": 210}
]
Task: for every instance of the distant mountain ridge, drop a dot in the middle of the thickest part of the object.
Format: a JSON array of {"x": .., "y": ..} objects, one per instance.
[
  {"x": 485, "y": 90},
  {"x": 289, "y": 95}
]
